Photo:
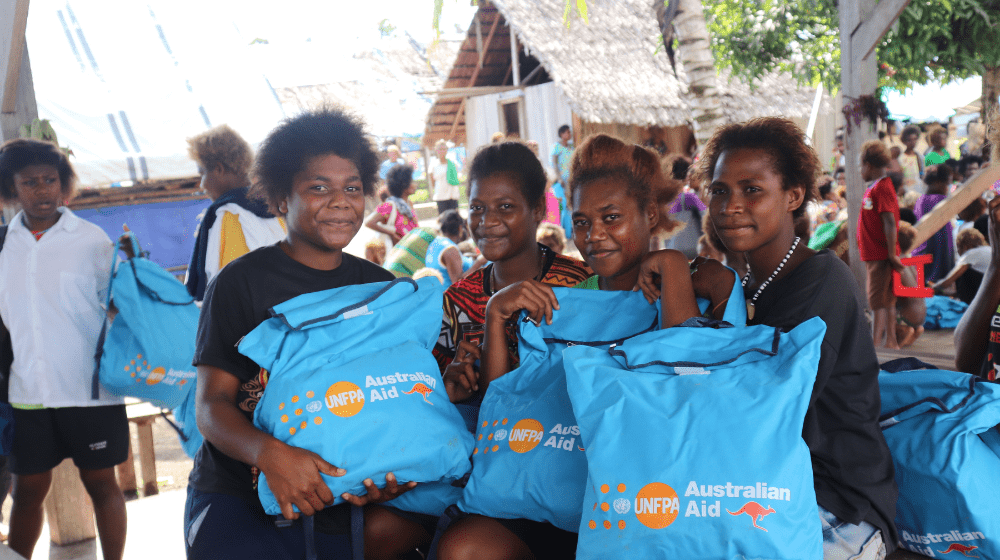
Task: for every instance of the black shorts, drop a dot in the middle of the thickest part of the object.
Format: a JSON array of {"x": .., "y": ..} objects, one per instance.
[{"x": 95, "y": 437}]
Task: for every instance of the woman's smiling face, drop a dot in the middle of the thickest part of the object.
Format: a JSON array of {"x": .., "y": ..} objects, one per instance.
[
  {"x": 501, "y": 220},
  {"x": 610, "y": 229},
  {"x": 748, "y": 204},
  {"x": 327, "y": 203}
]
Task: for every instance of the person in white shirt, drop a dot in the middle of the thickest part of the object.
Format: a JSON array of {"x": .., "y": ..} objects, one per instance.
[
  {"x": 972, "y": 263},
  {"x": 444, "y": 179},
  {"x": 54, "y": 273}
]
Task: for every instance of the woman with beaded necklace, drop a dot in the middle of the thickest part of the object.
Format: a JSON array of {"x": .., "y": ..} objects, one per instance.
[{"x": 762, "y": 175}]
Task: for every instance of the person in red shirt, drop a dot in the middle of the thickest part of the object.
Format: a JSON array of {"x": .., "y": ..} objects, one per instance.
[{"x": 877, "y": 243}]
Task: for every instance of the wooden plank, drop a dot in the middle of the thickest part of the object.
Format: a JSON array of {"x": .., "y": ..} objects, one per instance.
[
  {"x": 17, "y": 46},
  {"x": 68, "y": 508},
  {"x": 869, "y": 32},
  {"x": 489, "y": 41},
  {"x": 147, "y": 457},
  {"x": 458, "y": 117},
  {"x": 955, "y": 203}
]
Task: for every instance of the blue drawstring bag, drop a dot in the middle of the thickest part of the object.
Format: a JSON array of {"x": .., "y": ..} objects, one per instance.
[
  {"x": 147, "y": 351},
  {"x": 943, "y": 312},
  {"x": 694, "y": 445},
  {"x": 941, "y": 429},
  {"x": 529, "y": 462},
  {"x": 185, "y": 423},
  {"x": 352, "y": 378}
]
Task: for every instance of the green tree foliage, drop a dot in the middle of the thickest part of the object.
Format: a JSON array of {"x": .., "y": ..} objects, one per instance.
[
  {"x": 755, "y": 37},
  {"x": 932, "y": 40}
]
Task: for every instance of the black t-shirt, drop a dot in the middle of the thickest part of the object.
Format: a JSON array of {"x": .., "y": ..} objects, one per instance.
[
  {"x": 991, "y": 362},
  {"x": 236, "y": 301},
  {"x": 852, "y": 467}
]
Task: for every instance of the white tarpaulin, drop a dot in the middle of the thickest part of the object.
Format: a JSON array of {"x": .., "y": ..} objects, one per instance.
[{"x": 125, "y": 83}]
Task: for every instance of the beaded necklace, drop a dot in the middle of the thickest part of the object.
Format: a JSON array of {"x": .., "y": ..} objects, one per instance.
[{"x": 753, "y": 300}]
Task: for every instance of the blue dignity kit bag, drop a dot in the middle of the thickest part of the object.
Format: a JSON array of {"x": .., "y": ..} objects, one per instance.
[
  {"x": 941, "y": 429},
  {"x": 352, "y": 378},
  {"x": 147, "y": 351},
  {"x": 693, "y": 437},
  {"x": 529, "y": 462}
]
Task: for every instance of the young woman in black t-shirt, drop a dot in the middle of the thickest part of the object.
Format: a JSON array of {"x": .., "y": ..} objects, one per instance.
[
  {"x": 314, "y": 170},
  {"x": 762, "y": 175}
]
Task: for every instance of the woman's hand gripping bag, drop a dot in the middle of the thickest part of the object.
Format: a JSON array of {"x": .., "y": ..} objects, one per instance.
[
  {"x": 694, "y": 445},
  {"x": 147, "y": 350},
  {"x": 529, "y": 462},
  {"x": 352, "y": 378},
  {"x": 941, "y": 429}
]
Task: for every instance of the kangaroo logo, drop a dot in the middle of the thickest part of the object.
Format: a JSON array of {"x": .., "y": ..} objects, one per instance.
[
  {"x": 423, "y": 390},
  {"x": 963, "y": 548},
  {"x": 755, "y": 511}
]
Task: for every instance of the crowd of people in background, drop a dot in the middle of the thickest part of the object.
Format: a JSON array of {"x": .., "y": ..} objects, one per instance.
[{"x": 605, "y": 215}]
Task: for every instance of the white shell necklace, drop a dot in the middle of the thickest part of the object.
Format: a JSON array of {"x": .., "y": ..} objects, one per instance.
[{"x": 753, "y": 300}]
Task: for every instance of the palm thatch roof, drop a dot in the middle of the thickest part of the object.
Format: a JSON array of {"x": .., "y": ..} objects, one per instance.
[{"x": 612, "y": 70}]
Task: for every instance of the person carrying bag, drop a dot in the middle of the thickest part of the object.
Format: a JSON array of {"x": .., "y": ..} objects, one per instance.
[
  {"x": 146, "y": 352},
  {"x": 693, "y": 441}
]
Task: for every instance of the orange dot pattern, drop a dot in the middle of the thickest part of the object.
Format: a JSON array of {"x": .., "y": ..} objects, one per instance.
[
  {"x": 318, "y": 420},
  {"x": 309, "y": 394},
  {"x": 605, "y": 507}
]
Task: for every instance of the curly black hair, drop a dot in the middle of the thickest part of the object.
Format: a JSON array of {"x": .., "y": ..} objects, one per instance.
[
  {"x": 451, "y": 222},
  {"x": 290, "y": 146},
  {"x": 517, "y": 160},
  {"x": 398, "y": 179},
  {"x": 19, "y": 153},
  {"x": 793, "y": 159}
]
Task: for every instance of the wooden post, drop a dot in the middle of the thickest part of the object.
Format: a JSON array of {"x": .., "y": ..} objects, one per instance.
[
  {"x": 147, "y": 457},
  {"x": 17, "y": 96},
  {"x": 68, "y": 508},
  {"x": 863, "y": 23}
]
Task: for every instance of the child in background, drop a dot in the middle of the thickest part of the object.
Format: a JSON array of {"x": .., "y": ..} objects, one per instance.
[
  {"x": 910, "y": 311},
  {"x": 940, "y": 245},
  {"x": 910, "y": 162},
  {"x": 552, "y": 236},
  {"x": 973, "y": 260},
  {"x": 937, "y": 155},
  {"x": 877, "y": 244},
  {"x": 375, "y": 251}
]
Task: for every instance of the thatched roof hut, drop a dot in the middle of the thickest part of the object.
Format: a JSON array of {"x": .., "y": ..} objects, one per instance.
[{"x": 614, "y": 73}]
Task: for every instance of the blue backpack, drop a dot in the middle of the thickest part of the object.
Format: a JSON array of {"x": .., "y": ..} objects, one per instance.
[
  {"x": 148, "y": 350},
  {"x": 352, "y": 378},
  {"x": 941, "y": 429},
  {"x": 694, "y": 445},
  {"x": 529, "y": 462},
  {"x": 943, "y": 312}
]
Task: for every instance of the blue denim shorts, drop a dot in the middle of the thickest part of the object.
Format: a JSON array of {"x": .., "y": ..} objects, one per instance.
[{"x": 846, "y": 541}]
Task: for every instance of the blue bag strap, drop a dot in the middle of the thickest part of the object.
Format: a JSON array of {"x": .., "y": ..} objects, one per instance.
[
  {"x": 389, "y": 285},
  {"x": 357, "y": 532},
  {"x": 450, "y": 515},
  {"x": 309, "y": 530},
  {"x": 95, "y": 382}
]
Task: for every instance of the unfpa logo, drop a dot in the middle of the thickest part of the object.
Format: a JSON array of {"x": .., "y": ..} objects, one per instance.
[
  {"x": 498, "y": 435},
  {"x": 526, "y": 435},
  {"x": 656, "y": 506},
  {"x": 345, "y": 399},
  {"x": 139, "y": 370}
]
